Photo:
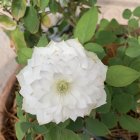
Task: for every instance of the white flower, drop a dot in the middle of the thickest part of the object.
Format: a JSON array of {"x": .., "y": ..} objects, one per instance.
[
  {"x": 28, "y": 2},
  {"x": 63, "y": 3},
  {"x": 62, "y": 81},
  {"x": 50, "y": 20}
]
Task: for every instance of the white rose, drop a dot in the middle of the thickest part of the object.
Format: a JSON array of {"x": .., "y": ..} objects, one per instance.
[{"x": 62, "y": 81}]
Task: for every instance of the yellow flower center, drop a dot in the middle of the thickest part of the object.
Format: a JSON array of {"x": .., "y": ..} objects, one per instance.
[{"x": 62, "y": 86}]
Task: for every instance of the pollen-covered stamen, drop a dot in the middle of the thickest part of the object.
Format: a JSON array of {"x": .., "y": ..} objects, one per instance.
[{"x": 62, "y": 86}]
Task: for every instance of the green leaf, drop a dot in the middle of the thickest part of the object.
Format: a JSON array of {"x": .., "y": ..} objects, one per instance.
[
  {"x": 43, "y": 4},
  {"x": 115, "y": 61},
  {"x": 92, "y": 2},
  {"x": 19, "y": 100},
  {"x": 135, "y": 64},
  {"x": 132, "y": 89},
  {"x": 19, "y": 133},
  {"x": 20, "y": 114},
  {"x": 29, "y": 136},
  {"x": 31, "y": 20},
  {"x": 25, "y": 126},
  {"x": 133, "y": 51},
  {"x": 134, "y": 48},
  {"x": 139, "y": 39},
  {"x": 53, "y": 6},
  {"x": 35, "y": 3},
  {"x": 77, "y": 125},
  {"x": 121, "y": 52},
  {"x": 115, "y": 28},
  {"x": 129, "y": 123},
  {"x": 43, "y": 41},
  {"x": 64, "y": 124},
  {"x": 86, "y": 26},
  {"x": 133, "y": 23},
  {"x": 93, "y": 47},
  {"x": 105, "y": 37},
  {"x": 120, "y": 76},
  {"x": 18, "y": 8},
  {"x": 30, "y": 117},
  {"x": 61, "y": 134},
  {"x": 39, "y": 129},
  {"x": 17, "y": 37},
  {"x": 103, "y": 24},
  {"x": 132, "y": 41},
  {"x": 127, "y": 14},
  {"x": 23, "y": 55},
  {"x": 7, "y": 22},
  {"x": 136, "y": 11},
  {"x": 21, "y": 128},
  {"x": 84, "y": 137},
  {"x": 96, "y": 128},
  {"x": 109, "y": 119},
  {"x": 123, "y": 102},
  {"x": 31, "y": 39},
  {"x": 127, "y": 60}
]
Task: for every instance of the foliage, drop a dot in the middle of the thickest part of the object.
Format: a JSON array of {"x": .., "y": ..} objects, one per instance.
[{"x": 116, "y": 45}]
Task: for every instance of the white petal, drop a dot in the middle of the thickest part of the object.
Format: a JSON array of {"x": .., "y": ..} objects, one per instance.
[
  {"x": 102, "y": 99},
  {"x": 43, "y": 118}
]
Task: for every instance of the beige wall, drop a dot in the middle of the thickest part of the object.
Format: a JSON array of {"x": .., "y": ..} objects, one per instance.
[{"x": 114, "y": 8}]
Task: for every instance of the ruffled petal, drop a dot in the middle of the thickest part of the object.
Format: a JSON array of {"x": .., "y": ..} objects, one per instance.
[{"x": 62, "y": 61}]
